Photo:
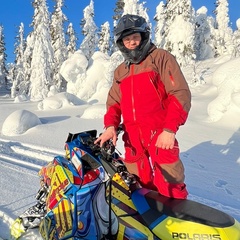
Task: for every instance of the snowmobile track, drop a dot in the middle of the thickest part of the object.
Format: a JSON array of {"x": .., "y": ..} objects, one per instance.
[{"x": 31, "y": 156}]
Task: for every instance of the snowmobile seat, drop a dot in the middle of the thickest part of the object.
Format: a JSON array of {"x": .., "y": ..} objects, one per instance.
[{"x": 152, "y": 205}]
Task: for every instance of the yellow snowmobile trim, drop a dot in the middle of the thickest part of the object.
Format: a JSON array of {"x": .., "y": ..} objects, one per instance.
[
  {"x": 123, "y": 215},
  {"x": 172, "y": 228},
  {"x": 17, "y": 228}
]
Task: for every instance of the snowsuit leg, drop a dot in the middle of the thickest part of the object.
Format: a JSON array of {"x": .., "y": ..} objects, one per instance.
[
  {"x": 168, "y": 170},
  {"x": 141, "y": 167},
  {"x": 169, "y": 179},
  {"x": 157, "y": 169},
  {"x": 137, "y": 160}
]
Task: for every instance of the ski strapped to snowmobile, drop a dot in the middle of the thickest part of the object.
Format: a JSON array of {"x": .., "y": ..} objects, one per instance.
[{"x": 89, "y": 194}]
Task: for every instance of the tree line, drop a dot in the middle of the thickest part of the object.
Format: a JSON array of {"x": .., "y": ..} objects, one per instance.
[{"x": 188, "y": 34}]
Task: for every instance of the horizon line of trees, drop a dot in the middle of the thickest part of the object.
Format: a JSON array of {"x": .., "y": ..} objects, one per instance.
[{"x": 188, "y": 34}]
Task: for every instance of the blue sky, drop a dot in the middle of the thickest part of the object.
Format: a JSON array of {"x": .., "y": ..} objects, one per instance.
[{"x": 13, "y": 12}]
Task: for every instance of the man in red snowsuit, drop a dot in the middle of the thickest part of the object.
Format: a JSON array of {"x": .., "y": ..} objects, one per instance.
[{"x": 151, "y": 95}]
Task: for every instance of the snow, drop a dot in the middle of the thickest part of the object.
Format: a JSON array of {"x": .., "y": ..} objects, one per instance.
[
  {"x": 228, "y": 89},
  {"x": 60, "y": 100},
  {"x": 32, "y": 133},
  {"x": 238, "y": 23},
  {"x": 19, "y": 122}
]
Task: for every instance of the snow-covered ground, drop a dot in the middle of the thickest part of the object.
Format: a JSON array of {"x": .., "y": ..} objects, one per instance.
[{"x": 32, "y": 133}]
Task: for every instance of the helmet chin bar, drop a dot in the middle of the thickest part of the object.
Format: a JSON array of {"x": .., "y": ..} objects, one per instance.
[{"x": 136, "y": 55}]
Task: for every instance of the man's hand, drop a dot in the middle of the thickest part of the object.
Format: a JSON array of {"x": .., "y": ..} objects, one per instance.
[
  {"x": 165, "y": 140},
  {"x": 110, "y": 133}
]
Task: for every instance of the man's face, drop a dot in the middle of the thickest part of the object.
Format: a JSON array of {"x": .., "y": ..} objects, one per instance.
[{"x": 132, "y": 41}]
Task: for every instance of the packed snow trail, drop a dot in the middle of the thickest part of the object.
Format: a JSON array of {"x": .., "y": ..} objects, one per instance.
[{"x": 19, "y": 166}]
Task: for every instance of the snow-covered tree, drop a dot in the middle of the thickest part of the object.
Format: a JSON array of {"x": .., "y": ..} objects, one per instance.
[
  {"x": 89, "y": 29},
  {"x": 58, "y": 42},
  {"x": 142, "y": 11},
  {"x": 104, "y": 38},
  {"x": 74, "y": 71},
  {"x": 131, "y": 7},
  {"x": 118, "y": 11},
  {"x": 115, "y": 60},
  {"x": 3, "y": 58},
  {"x": 41, "y": 76},
  {"x": 236, "y": 37},
  {"x": 27, "y": 60},
  {"x": 18, "y": 74},
  {"x": 203, "y": 48},
  {"x": 159, "y": 17},
  {"x": 226, "y": 79},
  {"x": 213, "y": 39},
  {"x": 20, "y": 45},
  {"x": 179, "y": 34},
  {"x": 136, "y": 8},
  {"x": 11, "y": 74},
  {"x": 224, "y": 44},
  {"x": 71, "y": 40},
  {"x": 171, "y": 11}
]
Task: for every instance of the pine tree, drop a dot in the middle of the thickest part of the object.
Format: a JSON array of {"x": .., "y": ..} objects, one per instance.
[
  {"x": 170, "y": 13},
  {"x": 118, "y": 11},
  {"x": 224, "y": 43},
  {"x": 89, "y": 29},
  {"x": 179, "y": 34},
  {"x": 236, "y": 40},
  {"x": 71, "y": 40},
  {"x": 59, "y": 44},
  {"x": 203, "y": 48},
  {"x": 27, "y": 60},
  {"x": 41, "y": 75},
  {"x": 104, "y": 38},
  {"x": 142, "y": 11},
  {"x": 131, "y": 7},
  {"x": 18, "y": 75},
  {"x": 20, "y": 45},
  {"x": 159, "y": 30},
  {"x": 3, "y": 58}
]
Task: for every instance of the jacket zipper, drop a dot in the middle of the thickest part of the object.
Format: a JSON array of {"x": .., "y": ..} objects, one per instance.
[
  {"x": 157, "y": 92},
  {"x": 171, "y": 77},
  {"x": 133, "y": 101}
]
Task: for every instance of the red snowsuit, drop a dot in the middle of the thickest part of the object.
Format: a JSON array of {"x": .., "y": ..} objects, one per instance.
[{"x": 151, "y": 96}]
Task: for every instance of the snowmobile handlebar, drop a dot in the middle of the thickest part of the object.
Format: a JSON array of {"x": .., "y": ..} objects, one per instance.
[
  {"x": 106, "y": 151},
  {"x": 108, "y": 148}
]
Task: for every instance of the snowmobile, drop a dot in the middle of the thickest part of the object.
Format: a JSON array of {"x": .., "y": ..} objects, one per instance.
[{"x": 89, "y": 194}]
